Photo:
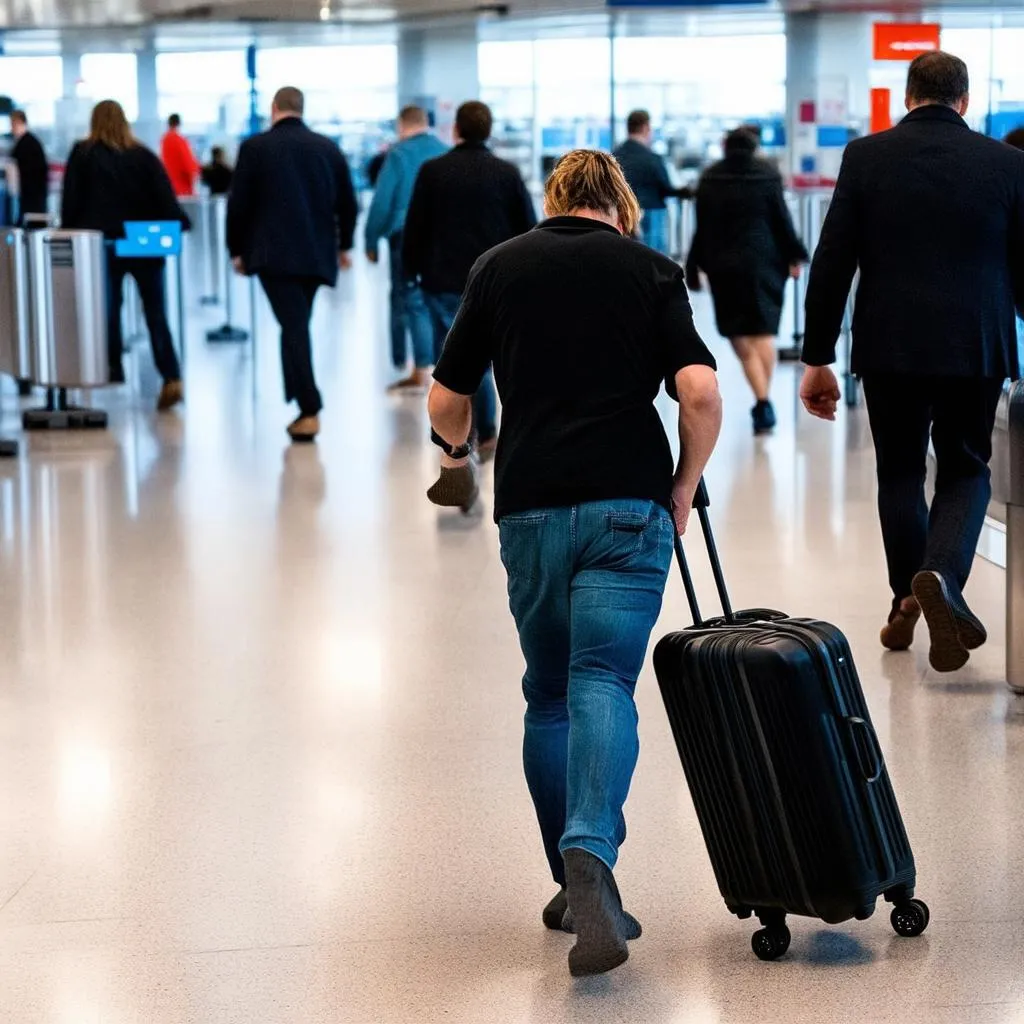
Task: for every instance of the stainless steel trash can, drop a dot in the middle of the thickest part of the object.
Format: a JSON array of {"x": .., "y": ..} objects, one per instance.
[
  {"x": 14, "y": 304},
  {"x": 68, "y": 275}
]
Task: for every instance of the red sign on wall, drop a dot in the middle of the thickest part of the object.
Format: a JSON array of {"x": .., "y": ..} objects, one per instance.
[{"x": 900, "y": 41}]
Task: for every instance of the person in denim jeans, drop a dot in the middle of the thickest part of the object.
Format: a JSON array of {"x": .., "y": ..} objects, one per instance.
[
  {"x": 386, "y": 219},
  {"x": 583, "y": 326},
  {"x": 463, "y": 204}
]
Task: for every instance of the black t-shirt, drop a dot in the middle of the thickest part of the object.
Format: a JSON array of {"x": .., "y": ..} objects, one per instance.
[{"x": 583, "y": 327}]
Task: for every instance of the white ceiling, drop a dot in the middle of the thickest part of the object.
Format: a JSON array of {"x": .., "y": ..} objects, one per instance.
[{"x": 69, "y": 14}]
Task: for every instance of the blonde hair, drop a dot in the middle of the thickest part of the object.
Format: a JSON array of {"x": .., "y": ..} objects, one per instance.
[
  {"x": 587, "y": 179},
  {"x": 110, "y": 126}
]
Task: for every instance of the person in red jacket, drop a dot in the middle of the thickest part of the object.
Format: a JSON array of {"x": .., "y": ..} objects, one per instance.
[{"x": 179, "y": 160}]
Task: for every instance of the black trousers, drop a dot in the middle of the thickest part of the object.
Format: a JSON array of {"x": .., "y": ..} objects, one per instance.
[
  {"x": 959, "y": 414},
  {"x": 149, "y": 276},
  {"x": 291, "y": 299}
]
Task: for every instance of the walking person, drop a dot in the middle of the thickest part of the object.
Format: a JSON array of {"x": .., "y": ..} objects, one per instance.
[
  {"x": 583, "y": 327},
  {"x": 933, "y": 216},
  {"x": 648, "y": 178},
  {"x": 463, "y": 203},
  {"x": 111, "y": 178},
  {"x": 386, "y": 219},
  {"x": 746, "y": 244},
  {"x": 291, "y": 219},
  {"x": 217, "y": 174},
  {"x": 179, "y": 160},
  {"x": 33, "y": 169}
]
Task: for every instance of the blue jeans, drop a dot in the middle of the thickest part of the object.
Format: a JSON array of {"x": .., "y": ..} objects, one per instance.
[
  {"x": 408, "y": 313},
  {"x": 442, "y": 307},
  {"x": 585, "y": 586},
  {"x": 654, "y": 229}
]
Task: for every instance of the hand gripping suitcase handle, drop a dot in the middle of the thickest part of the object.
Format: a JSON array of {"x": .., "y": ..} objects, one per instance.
[{"x": 701, "y": 502}]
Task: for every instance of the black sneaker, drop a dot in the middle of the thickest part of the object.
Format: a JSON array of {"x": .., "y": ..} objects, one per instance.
[
  {"x": 955, "y": 630},
  {"x": 763, "y": 415}
]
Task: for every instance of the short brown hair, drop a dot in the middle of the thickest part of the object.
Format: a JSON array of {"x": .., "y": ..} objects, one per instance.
[
  {"x": 637, "y": 122},
  {"x": 587, "y": 179},
  {"x": 289, "y": 100},
  {"x": 110, "y": 126},
  {"x": 474, "y": 121},
  {"x": 19, "y": 116},
  {"x": 938, "y": 77},
  {"x": 414, "y": 116},
  {"x": 1016, "y": 138}
]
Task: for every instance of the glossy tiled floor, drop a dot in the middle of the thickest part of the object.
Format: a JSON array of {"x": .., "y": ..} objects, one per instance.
[{"x": 259, "y": 733}]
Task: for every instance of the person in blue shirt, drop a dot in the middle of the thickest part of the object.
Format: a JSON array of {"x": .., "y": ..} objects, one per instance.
[{"x": 386, "y": 219}]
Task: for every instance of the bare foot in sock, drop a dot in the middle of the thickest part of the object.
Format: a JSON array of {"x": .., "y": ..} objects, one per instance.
[
  {"x": 557, "y": 917},
  {"x": 597, "y": 915},
  {"x": 456, "y": 487}
]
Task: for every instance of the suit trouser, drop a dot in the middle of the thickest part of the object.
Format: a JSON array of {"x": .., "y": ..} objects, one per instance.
[
  {"x": 291, "y": 299},
  {"x": 959, "y": 414}
]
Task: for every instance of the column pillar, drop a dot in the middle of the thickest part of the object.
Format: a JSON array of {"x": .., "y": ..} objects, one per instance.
[
  {"x": 438, "y": 69},
  {"x": 71, "y": 120},
  {"x": 148, "y": 127},
  {"x": 828, "y": 73}
]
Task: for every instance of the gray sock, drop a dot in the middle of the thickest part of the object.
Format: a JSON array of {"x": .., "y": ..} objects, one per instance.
[
  {"x": 455, "y": 488},
  {"x": 597, "y": 915}
]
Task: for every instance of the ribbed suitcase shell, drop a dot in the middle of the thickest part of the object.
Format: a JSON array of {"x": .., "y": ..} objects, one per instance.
[{"x": 787, "y": 778}]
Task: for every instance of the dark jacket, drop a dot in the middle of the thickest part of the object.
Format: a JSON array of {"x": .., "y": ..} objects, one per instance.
[
  {"x": 292, "y": 207},
  {"x": 104, "y": 187},
  {"x": 217, "y": 178},
  {"x": 933, "y": 216},
  {"x": 647, "y": 175},
  {"x": 463, "y": 204},
  {"x": 33, "y": 173},
  {"x": 745, "y": 242}
]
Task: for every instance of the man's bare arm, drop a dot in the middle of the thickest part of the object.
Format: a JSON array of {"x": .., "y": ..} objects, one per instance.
[
  {"x": 700, "y": 421},
  {"x": 451, "y": 414}
]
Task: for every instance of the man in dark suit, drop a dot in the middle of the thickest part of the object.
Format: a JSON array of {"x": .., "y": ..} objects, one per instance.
[
  {"x": 648, "y": 178},
  {"x": 291, "y": 218},
  {"x": 463, "y": 204},
  {"x": 932, "y": 215},
  {"x": 33, "y": 170}
]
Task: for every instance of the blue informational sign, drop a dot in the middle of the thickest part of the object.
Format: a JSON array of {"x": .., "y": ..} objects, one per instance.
[
  {"x": 832, "y": 136},
  {"x": 149, "y": 239}
]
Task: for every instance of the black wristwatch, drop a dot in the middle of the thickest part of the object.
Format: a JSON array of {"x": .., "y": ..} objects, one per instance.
[{"x": 453, "y": 452}]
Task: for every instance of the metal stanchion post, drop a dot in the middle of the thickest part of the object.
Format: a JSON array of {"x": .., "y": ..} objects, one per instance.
[
  {"x": 227, "y": 332},
  {"x": 208, "y": 212},
  {"x": 181, "y": 308},
  {"x": 255, "y": 347},
  {"x": 1015, "y": 540},
  {"x": 792, "y": 353}
]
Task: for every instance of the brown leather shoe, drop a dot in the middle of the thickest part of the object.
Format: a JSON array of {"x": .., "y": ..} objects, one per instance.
[
  {"x": 304, "y": 429},
  {"x": 898, "y": 632},
  {"x": 171, "y": 394}
]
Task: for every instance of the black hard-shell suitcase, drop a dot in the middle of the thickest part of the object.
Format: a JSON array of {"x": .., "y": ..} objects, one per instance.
[{"x": 785, "y": 770}]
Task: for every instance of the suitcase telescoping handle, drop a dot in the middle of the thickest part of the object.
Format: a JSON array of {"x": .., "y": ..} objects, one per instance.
[{"x": 701, "y": 501}]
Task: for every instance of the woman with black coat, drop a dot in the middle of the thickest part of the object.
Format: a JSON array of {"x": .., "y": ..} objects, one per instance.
[
  {"x": 747, "y": 246},
  {"x": 112, "y": 178}
]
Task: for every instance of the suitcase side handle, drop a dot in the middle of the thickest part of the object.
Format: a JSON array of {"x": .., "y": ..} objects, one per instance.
[
  {"x": 869, "y": 754},
  {"x": 701, "y": 501}
]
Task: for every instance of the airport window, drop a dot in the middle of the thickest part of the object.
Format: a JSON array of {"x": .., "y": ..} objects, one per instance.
[
  {"x": 210, "y": 90},
  {"x": 35, "y": 84},
  {"x": 110, "y": 76}
]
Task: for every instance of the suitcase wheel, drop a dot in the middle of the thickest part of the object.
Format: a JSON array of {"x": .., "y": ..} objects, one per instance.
[
  {"x": 910, "y": 919},
  {"x": 770, "y": 943}
]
